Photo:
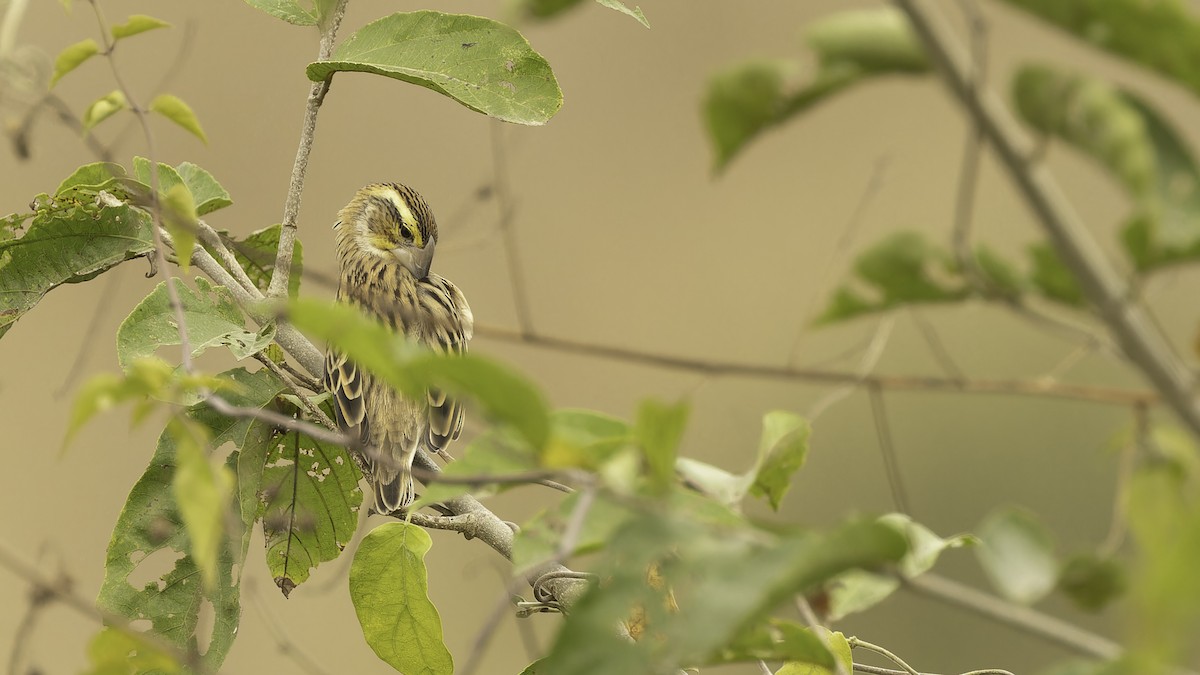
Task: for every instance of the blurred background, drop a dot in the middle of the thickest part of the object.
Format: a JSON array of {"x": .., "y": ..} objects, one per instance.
[{"x": 625, "y": 238}]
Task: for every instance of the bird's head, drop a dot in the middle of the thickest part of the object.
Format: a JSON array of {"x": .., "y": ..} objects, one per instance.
[{"x": 391, "y": 221}]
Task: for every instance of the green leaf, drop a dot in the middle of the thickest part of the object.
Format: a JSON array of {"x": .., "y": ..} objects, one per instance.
[
  {"x": 584, "y": 439},
  {"x": 202, "y": 494},
  {"x": 483, "y": 64},
  {"x": 747, "y": 99},
  {"x": 857, "y": 591},
  {"x": 491, "y": 454},
  {"x": 1141, "y": 149},
  {"x": 174, "y": 109},
  {"x": 68, "y": 243},
  {"x": 391, "y": 598},
  {"x": 212, "y": 316},
  {"x": 92, "y": 178},
  {"x": 179, "y": 217},
  {"x": 924, "y": 547},
  {"x": 1017, "y": 553},
  {"x": 310, "y": 503},
  {"x": 206, "y": 191},
  {"x": 723, "y": 579},
  {"x": 72, "y": 57},
  {"x": 1051, "y": 277},
  {"x": 775, "y": 640},
  {"x": 538, "y": 540},
  {"x": 1161, "y": 36},
  {"x": 1093, "y": 582},
  {"x": 289, "y": 10},
  {"x": 837, "y": 645},
  {"x": 113, "y": 652},
  {"x": 902, "y": 269},
  {"x": 658, "y": 431},
  {"x": 103, "y": 108},
  {"x": 137, "y": 23},
  {"x": 168, "y": 177},
  {"x": 504, "y": 395},
  {"x": 145, "y": 378},
  {"x": 782, "y": 449},
  {"x": 1002, "y": 279},
  {"x": 257, "y": 252},
  {"x": 619, "y": 6},
  {"x": 148, "y": 533}
]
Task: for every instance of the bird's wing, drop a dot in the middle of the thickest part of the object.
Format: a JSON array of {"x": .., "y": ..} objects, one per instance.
[
  {"x": 449, "y": 325},
  {"x": 345, "y": 382}
]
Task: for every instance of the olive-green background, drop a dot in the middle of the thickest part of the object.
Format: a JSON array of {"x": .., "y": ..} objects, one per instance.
[{"x": 626, "y": 239}]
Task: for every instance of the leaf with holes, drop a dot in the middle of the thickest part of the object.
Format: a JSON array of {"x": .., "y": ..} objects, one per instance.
[
  {"x": 310, "y": 502},
  {"x": 148, "y": 532},
  {"x": 212, "y": 316},
  {"x": 68, "y": 243},
  {"x": 390, "y": 591},
  {"x": 483, "y": 64}
]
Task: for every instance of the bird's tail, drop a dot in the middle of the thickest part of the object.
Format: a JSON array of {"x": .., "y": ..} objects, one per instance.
[{"x": 394, "y": 493}]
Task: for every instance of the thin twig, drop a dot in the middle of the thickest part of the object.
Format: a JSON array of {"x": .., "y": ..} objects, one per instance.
[
  {"x": 1103, "y": 287},
  {"x": 887, "y": 449},
  {"x": 307, "y": 403},
  {"x": 278, "y": 287},
  {"x": 516, "y": 271},
  {"x": 283, "y": 642},
  {"x": 1126, "y": 464},
  {"x": 1096, "y": 394},
  {"x": 865, "y": 367},
  {"x": 968, "y": 181},
  {"x": 936, "y": 347}
]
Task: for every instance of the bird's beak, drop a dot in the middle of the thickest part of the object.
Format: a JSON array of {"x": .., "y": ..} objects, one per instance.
[{"x": 416, "y": 260}]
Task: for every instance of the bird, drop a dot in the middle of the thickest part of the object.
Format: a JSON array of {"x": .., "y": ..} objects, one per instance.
[{"x": 385, "y": 239}]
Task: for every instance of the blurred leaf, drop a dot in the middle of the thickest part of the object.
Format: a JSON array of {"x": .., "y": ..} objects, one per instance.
[
  {"x": 390, "y": 593},
  {"x": 584, "y": 439},
  {"x": 137, "y": 23},
  {"x": 179, "y": 217},
  {"x": 483, "y": 64},
  {"x": 902, "y": 269},
  {"x": 859, "y": 590},
  {"x": 504, "y": 395},
  {"x": 725, "y": 580},
  {"x": 746, "y": 99},
  {"x": 775, "y": 640},
  {"x": 206, "y": 191},
  {"x": 1018, "y": 555},
  {"x": 837, "y": 645},
  {"x": 148, "y": 533},
  {"x": 1161, "y": 36},
  {"x": 1164, "y": 517},
  {"x": 1138, "y": 146},
  {"x": 492, "y": 453},
  {"x": 173, "y": 108},
  {"x": 1092, "y": 582},
  {"x": 72, "y": 57},
  {"x": 212, "y": 316},
  {"x": 782, "y": 451},
  {"x": 539, "y": 538},
  {"x": 636, "y": 12},
  {"x": 145, "y": 378},
  {"x": 103, "y": 108},
  {"x": 310, "y": 501},
  {"x": 203, "y": 495},
  {"x": 1001, "y": 277},
  {"x": 289, "y": 10},
  {"x": 658, "y": 430},
  {"x": 1051, "y": 277},
  {"x": 113, "y": 652},
  {"x": 545, "y": 9},
  {"x": 70, "y": 243}
]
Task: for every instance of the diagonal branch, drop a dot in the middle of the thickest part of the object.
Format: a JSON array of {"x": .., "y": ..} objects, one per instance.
[
  {"x": 1102, "y": 285},
  {"x": 291, "y": 207}
]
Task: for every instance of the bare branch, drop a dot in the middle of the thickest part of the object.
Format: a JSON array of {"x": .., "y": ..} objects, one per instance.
[
  {"x": 887, "y": 450},
  {"x": 1042, "y": 388},
  {"x": 291, "y": 209},
  {"x": 1104, "y": 288}
]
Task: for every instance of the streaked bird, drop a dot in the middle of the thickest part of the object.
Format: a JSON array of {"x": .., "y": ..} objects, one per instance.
[{"x": 385, "y": 241}]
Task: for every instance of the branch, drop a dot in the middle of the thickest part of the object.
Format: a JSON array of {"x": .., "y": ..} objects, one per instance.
[
  {"x": 1102, "y": 285},
  {"x": 1042, "y": 388},
  {"x": 291, "y": 208}
]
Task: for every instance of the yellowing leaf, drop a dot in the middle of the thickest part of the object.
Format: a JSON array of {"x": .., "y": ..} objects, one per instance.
[
  {"x": 202, "y": 493},
  {"x": 137, "y": 23},
  {"x": 104, "y": 108},
  {"x": 174, "y": 109},
  {"x": 70, "y": 58},
  {"x": 179, "y": 217}
]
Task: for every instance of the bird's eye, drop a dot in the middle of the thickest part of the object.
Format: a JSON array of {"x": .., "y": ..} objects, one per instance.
[{"x": 407, "y": 233}]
